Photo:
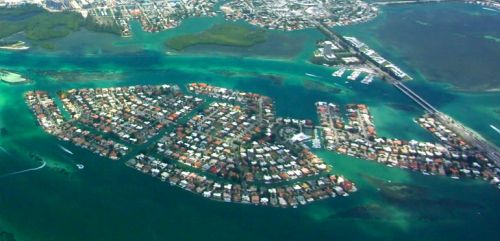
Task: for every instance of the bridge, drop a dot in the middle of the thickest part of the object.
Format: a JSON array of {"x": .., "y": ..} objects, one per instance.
[
  {"x": 490, "y": 150},
  {"x": 419, "y": 100}
]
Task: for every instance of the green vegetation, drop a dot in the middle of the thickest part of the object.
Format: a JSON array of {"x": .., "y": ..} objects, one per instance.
[
  {"x": 39, "y": 25},
  {"x": 221, "y": 34},
  {"x": 48, "y": 45},
  {"x": 109, "y": 27}
]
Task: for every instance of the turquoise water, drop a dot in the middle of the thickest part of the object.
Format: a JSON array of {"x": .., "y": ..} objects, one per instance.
[
  {"x": 443, "y": 47},
  {"x": 108, "y": 201}
]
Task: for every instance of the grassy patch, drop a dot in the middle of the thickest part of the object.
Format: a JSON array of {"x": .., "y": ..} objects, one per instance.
[{"x": 221, "y": 34}]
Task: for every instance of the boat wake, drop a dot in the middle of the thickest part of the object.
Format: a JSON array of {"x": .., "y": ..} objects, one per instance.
[
  {"x": 24, "y": 171},
  {"x": 312, "y": 75},
  {"x": 495, "y": 128},
  {"x": 491, "y": 9},
  {"x": 4, "y": 150}
]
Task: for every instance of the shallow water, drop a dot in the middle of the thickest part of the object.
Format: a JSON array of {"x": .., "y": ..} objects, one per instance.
[{"x": 108, "y": 201}]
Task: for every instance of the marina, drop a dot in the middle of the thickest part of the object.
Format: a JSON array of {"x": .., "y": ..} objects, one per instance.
[
  {"x": 367, "y": 79},
  {"x": 339, "y": 73},
  {"x": 354, "y": 75}
]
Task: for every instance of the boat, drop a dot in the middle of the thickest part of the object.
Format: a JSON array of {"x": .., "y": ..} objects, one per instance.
[
  {"x": 339, "y": 72},
  {"x": 80, "y": 166},
  {"x": 367, "y": 79},
  {"x": 354, "y": 75},
  {"x": 312, "y": 75},
  {"x": 66, "y": 150}
]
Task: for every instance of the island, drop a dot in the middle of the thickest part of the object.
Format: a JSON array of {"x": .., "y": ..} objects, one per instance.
[
  {"x": 228, "y": 145},
  {"x": 15, "y": 45},
  {"x": 222, "y": 144},
  {"x": 221, "y": 34},
  {"x": 12, "y": 78}
]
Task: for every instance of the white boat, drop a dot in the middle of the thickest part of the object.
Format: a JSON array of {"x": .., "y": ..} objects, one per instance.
[
  {"x": 312, "y": 75},
  {"x": 80, "y": 166},
  {"x": 354, "y": 75},
  {"x": 367, "y": 80},
  {"x": 339, "y": 72},
  {"x": 65, "y": 150}
]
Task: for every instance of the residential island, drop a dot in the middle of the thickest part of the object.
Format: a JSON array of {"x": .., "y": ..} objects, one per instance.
[
  {"x": 223, "y": 144},
  {"x": 230, "y": 146}
]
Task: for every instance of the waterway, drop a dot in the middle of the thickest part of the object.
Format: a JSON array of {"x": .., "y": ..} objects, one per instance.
[{"x": 108, "y": 201}]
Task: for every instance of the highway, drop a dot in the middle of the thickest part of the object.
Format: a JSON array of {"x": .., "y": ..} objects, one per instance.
[
  {"x": 415, "y": 97},
  {"x": 472, "y": 138}
]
